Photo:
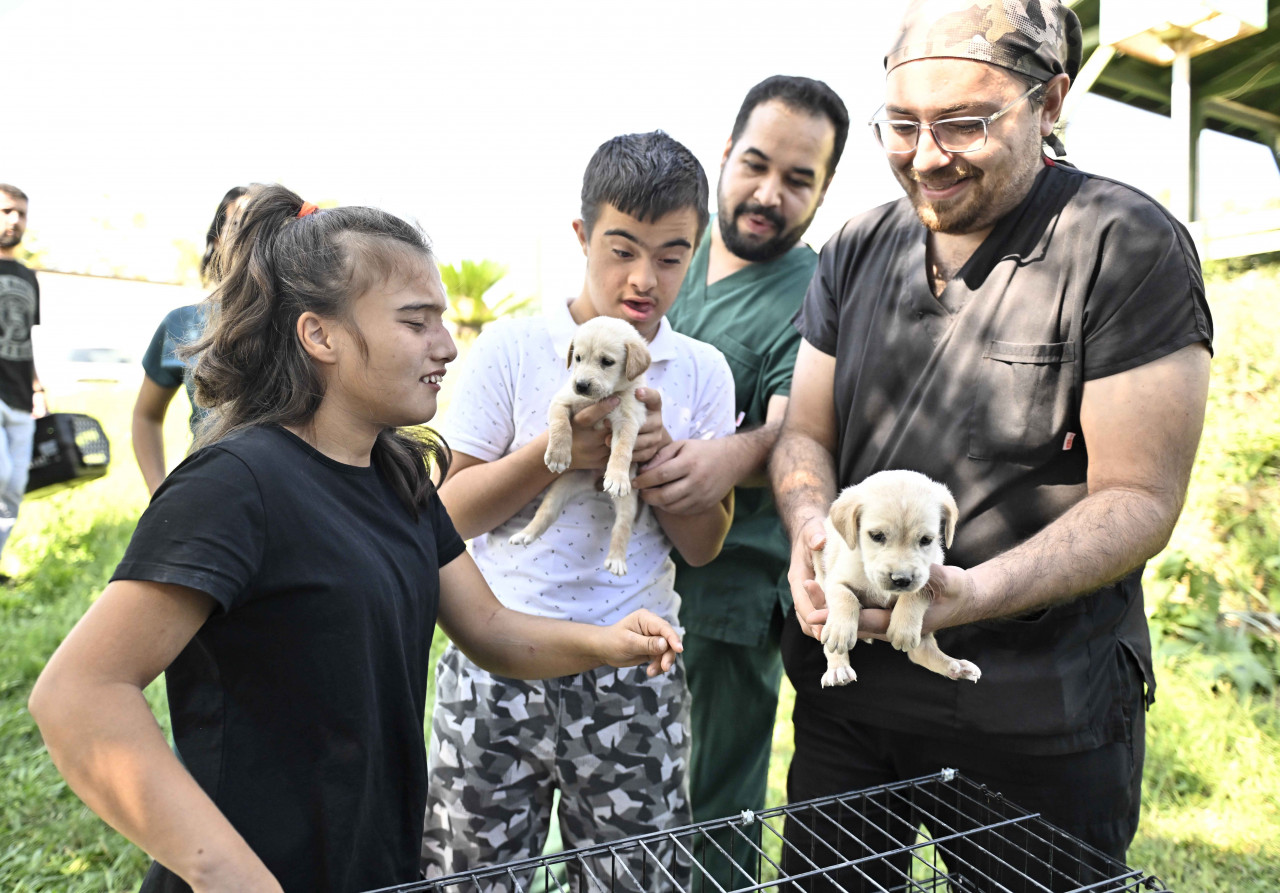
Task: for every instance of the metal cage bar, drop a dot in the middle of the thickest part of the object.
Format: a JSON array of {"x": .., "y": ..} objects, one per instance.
[{"x": 868, "y": 840}]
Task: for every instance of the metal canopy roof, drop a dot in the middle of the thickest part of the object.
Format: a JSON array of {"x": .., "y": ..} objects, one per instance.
[{"x": 1235, "y": 88}]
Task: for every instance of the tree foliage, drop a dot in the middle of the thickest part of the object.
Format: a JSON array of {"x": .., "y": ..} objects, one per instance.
[{"x": 468, "y": 286}]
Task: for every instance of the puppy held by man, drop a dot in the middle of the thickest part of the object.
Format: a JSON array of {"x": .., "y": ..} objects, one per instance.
[{"x": 883, "y": 534}]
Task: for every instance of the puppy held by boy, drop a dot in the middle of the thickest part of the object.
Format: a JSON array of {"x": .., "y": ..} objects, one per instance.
[
  {"x": 607, "y": 357},
  {"x": 882, "y": 536}
]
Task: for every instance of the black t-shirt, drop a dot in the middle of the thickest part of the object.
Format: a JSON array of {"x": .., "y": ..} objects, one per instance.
[
  {"x": 298, "y": 706},
  {"x": 980, "y": 389},
  {"x": 19, "y": 311}
]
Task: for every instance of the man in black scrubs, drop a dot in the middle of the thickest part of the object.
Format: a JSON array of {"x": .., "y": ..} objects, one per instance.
[{"x": 1037, "y": 338}]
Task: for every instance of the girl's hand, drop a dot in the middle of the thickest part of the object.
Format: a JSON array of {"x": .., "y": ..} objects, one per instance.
[{"x": 641, "y": 637}]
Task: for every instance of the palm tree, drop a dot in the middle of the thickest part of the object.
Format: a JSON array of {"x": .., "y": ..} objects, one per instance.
[{"x": 467, "y": 286}]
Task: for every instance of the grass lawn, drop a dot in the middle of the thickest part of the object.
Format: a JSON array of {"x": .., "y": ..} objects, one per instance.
[{"x": 1211, "y": 819}]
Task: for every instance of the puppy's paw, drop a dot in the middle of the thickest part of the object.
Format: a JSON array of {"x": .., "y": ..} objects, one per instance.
[
  {"x": 523, "y": 538},
  {"x": 838, "y": 676},
  {"x": 962, "y": 669},
  {"x": 616, "y": 566},
  {"x": 558, "y": 458},
  {"x": 839, "y": 634},
  {"x": 901, "y": 636},
  {"x": 617, "y": 486}
]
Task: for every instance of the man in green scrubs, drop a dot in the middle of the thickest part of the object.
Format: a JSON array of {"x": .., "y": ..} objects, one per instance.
[{"x": 745, "y": 283}]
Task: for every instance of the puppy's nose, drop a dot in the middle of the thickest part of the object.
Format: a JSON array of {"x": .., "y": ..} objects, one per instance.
[
  {"x": 582, "y": 387},
  {"x": 900, "y": 580}
]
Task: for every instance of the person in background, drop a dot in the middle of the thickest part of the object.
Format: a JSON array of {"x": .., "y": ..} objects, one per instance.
[
  {"x": 1037, "y": 339},
  {"x": 287, "y": 579},
  {"x": 22, "y": 397},
  {"x": 164, "y": 372},
  {"x": 746, "y": 281}
]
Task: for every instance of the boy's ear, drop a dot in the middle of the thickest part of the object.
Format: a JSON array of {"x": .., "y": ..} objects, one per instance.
[
  {"x": 580, "y": 230},
  {"x": 316, "y": 336}
]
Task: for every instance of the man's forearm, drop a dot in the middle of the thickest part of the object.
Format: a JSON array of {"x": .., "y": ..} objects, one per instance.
[
  {"x": 1098, "y": 541},
  {"x": 804, "y": 479},
  {"x": 748, "y": 451}
]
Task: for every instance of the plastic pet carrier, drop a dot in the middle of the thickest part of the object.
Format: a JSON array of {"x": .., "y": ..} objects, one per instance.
[
  {"x": 69, "y": 449},
  {"x": 979, "y": 843}
]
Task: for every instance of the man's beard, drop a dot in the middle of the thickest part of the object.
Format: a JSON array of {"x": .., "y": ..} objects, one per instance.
[
  {"x": 988, "y": 198},
  {"x": 10, "y": 238},
  {"x": 955, "y": 216},
  {"x": 782, "y": 241}
]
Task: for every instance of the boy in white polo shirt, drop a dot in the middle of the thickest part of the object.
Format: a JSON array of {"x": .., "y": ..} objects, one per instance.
[{"x": 613, "y": 742}]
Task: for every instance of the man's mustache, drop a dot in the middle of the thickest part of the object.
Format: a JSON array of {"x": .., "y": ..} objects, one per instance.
[
  {"x": 946, "y": 175},
  {"x": 770, "y": 214}
]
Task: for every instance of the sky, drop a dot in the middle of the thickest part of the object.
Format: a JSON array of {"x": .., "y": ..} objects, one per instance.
[{"x": 128, "y": 120}]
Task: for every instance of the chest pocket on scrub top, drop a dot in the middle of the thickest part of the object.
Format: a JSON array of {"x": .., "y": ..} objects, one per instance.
[
  {"x": 745, "y": 364},
  {"x": 1024, "y": 398}
]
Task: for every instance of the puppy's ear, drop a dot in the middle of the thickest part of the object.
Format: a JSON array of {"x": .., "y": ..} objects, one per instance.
[
  {"x": 950, "y": 514},
  {"x": 846, "y": 516},
  {"x": 637, "y": 358},
  {"x": 568, "y": 361}
]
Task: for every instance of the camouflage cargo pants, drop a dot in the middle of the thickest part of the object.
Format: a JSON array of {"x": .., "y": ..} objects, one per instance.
[{"x": 613, "y": 741}]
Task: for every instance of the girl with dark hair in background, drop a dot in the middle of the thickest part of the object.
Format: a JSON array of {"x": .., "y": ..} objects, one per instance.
[
  {"x": 165, "y": 371},
  {"x": 287, "y": 577}
]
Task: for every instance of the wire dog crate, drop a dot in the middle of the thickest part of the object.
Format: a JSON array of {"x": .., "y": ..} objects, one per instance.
[{"x": 862, "y": 841}]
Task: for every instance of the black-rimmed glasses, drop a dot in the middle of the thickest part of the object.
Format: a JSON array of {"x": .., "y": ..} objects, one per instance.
[{"x": 953, "y": 135}]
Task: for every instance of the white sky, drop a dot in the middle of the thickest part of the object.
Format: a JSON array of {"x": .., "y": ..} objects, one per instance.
[{"x": 473, "y": 117}]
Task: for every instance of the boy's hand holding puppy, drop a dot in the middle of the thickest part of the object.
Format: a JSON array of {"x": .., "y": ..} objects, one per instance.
[{"x": 607, "y": 357}]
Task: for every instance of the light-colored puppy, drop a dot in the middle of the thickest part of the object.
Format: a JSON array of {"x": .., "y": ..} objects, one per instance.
[
  {"x": 607, "y": 357},
  {"x": 882, "y": 536}
]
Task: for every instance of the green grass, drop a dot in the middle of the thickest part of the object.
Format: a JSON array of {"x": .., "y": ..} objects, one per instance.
[
  {"x": 61, "y": 555},
  {"x": 1211, "y": 821}
]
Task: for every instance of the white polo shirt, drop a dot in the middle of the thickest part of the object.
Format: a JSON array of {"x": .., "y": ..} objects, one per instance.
[{"x": 501, "y": 402}]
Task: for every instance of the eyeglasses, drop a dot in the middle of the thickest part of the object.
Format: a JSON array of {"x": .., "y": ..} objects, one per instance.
[{"x": 953, "y": 135}]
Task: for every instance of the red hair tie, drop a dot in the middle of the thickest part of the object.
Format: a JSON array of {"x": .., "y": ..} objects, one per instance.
[{"x": 307, "y": 208}]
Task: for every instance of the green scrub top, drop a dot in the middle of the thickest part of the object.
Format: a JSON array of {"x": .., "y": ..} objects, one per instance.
[{"x": 748, "y": 316}]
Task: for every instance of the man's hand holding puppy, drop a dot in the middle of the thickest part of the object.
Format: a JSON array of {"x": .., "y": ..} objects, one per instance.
[{"x": 952, "y": 589}]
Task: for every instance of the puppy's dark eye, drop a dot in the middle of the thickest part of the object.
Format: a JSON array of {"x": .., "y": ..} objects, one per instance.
[
  {"x": 577, "y": 358},
  {"x": 926, "y": 541},
  {"x": 877, "y": 537},
  {"x": 606, "y": 362}
]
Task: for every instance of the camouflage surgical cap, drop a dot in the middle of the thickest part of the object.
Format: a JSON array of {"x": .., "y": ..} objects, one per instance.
[{"x": 1039, "y": 38}]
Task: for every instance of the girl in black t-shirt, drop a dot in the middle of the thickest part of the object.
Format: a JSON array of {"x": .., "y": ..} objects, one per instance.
[{"x": 287, "y": 578}]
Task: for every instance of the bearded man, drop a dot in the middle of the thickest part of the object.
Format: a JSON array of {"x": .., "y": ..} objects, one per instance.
[{"x": 1036, "y": 338}]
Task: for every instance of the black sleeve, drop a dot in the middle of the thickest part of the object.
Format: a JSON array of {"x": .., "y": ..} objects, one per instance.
[
  {"x": 818, "y": 319},
  {"x": 1147, "y": 299},
  {"x": 205, "y": 529},
  {"x": 448, "y": 544}
]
